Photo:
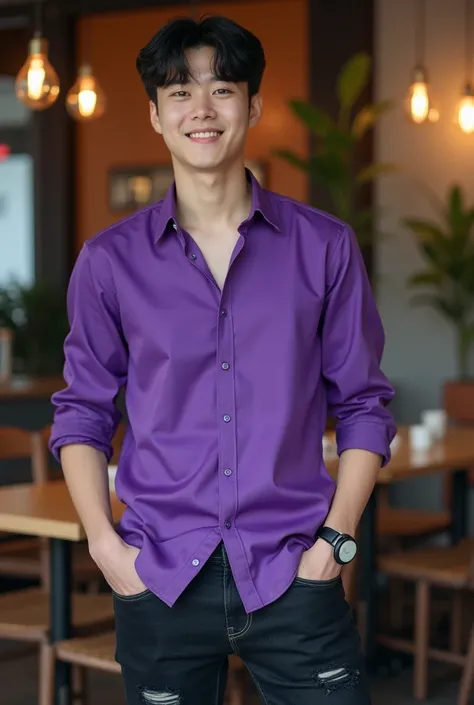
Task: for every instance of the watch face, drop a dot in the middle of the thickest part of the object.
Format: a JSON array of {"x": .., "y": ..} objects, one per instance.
[{"x": 347, "y": 551}]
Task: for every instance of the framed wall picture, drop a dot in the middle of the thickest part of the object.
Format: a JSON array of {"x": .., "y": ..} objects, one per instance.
[{"x": 132, "y": 188}]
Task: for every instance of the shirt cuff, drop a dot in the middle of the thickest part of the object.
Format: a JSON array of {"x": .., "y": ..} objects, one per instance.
[
  {"x": 366, "y": 435},
  {"x": 61, "y": 437}
]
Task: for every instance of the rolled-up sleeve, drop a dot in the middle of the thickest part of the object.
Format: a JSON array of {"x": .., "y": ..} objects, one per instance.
[
  {"x": 96, "y": 358},
  {"x": 352, "y": 346}
]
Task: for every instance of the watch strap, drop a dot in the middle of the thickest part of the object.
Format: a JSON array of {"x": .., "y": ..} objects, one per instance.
[{"x": 328, "y": 534}]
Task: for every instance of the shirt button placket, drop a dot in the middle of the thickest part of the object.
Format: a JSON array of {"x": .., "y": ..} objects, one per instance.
[{"x": 226, "y": 406}]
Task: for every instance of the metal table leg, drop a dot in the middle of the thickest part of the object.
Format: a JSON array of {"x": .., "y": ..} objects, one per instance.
[
  {"x": 460, "y": 505},
  {"x": 61, "y": 614},
  {"x": 368, "y": 578}
]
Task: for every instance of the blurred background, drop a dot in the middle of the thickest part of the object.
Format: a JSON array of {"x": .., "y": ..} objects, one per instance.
[{"x": 368, "y": 114}]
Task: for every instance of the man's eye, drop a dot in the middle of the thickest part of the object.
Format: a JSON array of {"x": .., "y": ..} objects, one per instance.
[
  {"x": 223, "y": 90},
  {"x": 179, "y": 94}
]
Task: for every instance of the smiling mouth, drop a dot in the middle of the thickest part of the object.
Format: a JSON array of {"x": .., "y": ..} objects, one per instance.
[{"x": 204, "y": 135}]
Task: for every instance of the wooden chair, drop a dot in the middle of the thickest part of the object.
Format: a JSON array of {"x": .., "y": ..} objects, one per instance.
[
  {"x": 447, "y": 567},
  {"x": 97, "y": 652},
  {"x": 24, "y": 614},
  {"x": 29, "y": 557}
]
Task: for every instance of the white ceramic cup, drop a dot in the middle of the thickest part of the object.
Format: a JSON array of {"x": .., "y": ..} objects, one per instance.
[
  {"x": 436, "y": 421},
  {"x": 420, "y": 437}
]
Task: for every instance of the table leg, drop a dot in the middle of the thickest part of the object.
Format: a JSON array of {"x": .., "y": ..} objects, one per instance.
[
  {"x": 61, "y": 614},
  {"x": 368, "y": 578},
  {"x": 460, "y": 505}
]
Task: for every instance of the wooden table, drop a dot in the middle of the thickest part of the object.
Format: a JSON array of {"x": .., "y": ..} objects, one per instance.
[
  {"x": 22, "y": 387},
  {"x": 47, "y": 511},
  {"x": 453, "y": 454}
]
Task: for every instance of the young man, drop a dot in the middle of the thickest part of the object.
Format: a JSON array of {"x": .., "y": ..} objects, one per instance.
[{"x": 235, "y": 318}]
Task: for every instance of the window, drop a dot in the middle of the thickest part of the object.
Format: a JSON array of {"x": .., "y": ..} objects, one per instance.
[{"x": 16, "y": 193}]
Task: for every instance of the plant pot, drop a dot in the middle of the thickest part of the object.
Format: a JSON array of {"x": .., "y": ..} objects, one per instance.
[{"x": 459, "y": 401}]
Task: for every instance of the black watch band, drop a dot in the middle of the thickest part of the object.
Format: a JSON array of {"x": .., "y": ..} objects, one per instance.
[{"x": 344, "y": 545}]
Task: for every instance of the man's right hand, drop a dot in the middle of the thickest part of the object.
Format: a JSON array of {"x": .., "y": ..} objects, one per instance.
[{"x": 116, "y": 560}]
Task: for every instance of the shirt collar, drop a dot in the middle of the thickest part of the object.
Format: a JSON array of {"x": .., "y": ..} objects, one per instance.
[{"x": 262, "y": 203}]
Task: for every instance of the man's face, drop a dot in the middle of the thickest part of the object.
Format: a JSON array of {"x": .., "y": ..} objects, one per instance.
[{"x": 204, "y": 123}]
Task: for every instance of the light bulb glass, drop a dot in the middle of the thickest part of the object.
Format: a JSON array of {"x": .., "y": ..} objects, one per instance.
[
  {"x": 86, "y": 99},
  {"x": 465, "y": 111},
  {"x": 37, "y": 83},
  {"x": 419, "y": 101}
]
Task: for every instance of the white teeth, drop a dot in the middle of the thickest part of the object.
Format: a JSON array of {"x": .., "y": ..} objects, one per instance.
[{"x": 204, "y": 135}]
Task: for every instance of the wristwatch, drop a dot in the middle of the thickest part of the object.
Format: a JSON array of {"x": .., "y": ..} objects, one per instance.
[{"x": 345, "y": 547}]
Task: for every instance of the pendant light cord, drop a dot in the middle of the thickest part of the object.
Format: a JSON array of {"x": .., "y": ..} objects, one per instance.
[
  {"x": 420, "y": 33},
  {"x": 468, "y": 28},
  {"x": 38, "y": 17}
]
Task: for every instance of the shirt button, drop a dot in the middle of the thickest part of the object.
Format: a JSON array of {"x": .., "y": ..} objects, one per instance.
[
  {"x": 195, "y": 562},
  {"x": 227, "y": 418},
  {"x": 192, "y": 256},
  {"x": 227, "y": 472},
  {"x": 225, "y": 365},
  {"x": 175, "y": 226},
  {"x": 223, "y": 312},
  {"x": 228, "y": 524}
]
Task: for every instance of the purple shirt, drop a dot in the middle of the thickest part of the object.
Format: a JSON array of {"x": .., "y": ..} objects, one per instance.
[{"x": 227, "y": 393}]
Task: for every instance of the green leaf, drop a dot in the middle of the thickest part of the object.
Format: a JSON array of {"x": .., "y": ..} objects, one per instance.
[
  {"x": 372, "y": 171},
  {"x": 363, "y": 224},
  {"x": 446, "y": 308},
  {"x": 328, "y": 169},
  {"x": 338, "y": 141},
  {"x": 428, "y": 278},
  {"x": 368, "y": 116},
  {"x": 352, "y": 80},
  {"x": 316, "y": 119},
  {"x": 292, "y": 158},
  {"x": 423, "y": 230},
  {"x": 456, "y": 207}
]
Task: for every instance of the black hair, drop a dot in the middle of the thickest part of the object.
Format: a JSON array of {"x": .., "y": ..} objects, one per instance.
[{"x": 239, "y": 55}]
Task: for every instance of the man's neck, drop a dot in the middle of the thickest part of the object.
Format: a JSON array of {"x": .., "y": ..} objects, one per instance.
[{"x": 219, "y": 199}]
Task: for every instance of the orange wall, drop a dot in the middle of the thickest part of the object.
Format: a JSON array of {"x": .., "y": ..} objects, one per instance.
[{"x": 123, "y": 136}]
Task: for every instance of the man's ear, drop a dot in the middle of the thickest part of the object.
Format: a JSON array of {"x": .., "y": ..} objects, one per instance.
[
  {"x": 154, "y": 118},
  {"x": 256, "y": 107}
]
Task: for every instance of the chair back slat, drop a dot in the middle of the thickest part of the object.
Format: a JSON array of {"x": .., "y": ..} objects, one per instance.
[
  {"x": 15, "y": 443},
  {"x": 458, "y": 405}
]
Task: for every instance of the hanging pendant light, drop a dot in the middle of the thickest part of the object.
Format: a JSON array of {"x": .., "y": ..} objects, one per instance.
[
  {"x": 37, "y": 83},
  {"x": 86, "y": 99},
  {"x": 465, "y": 107},
  {"x": 418, "y": 102}
]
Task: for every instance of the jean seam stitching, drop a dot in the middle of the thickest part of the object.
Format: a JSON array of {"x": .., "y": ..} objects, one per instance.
[
  {"x": 228, "y": 628},
  {"x": 246, "y": 628},
  {"x": 218, "y": 684},
  {"x": 259, "y": 687}
]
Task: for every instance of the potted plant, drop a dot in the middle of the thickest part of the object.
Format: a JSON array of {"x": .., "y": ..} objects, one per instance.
[
  {"x": 333, "y": 166},
  {"x": 448, "y": 286},
  {"x": 36, "y": 315}
]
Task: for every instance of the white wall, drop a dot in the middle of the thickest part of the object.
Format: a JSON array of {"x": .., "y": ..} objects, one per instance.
[{"x": 419, "y": 353}]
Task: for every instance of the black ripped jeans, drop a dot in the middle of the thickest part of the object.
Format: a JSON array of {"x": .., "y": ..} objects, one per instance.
[{"x": 303, "y": 649}]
